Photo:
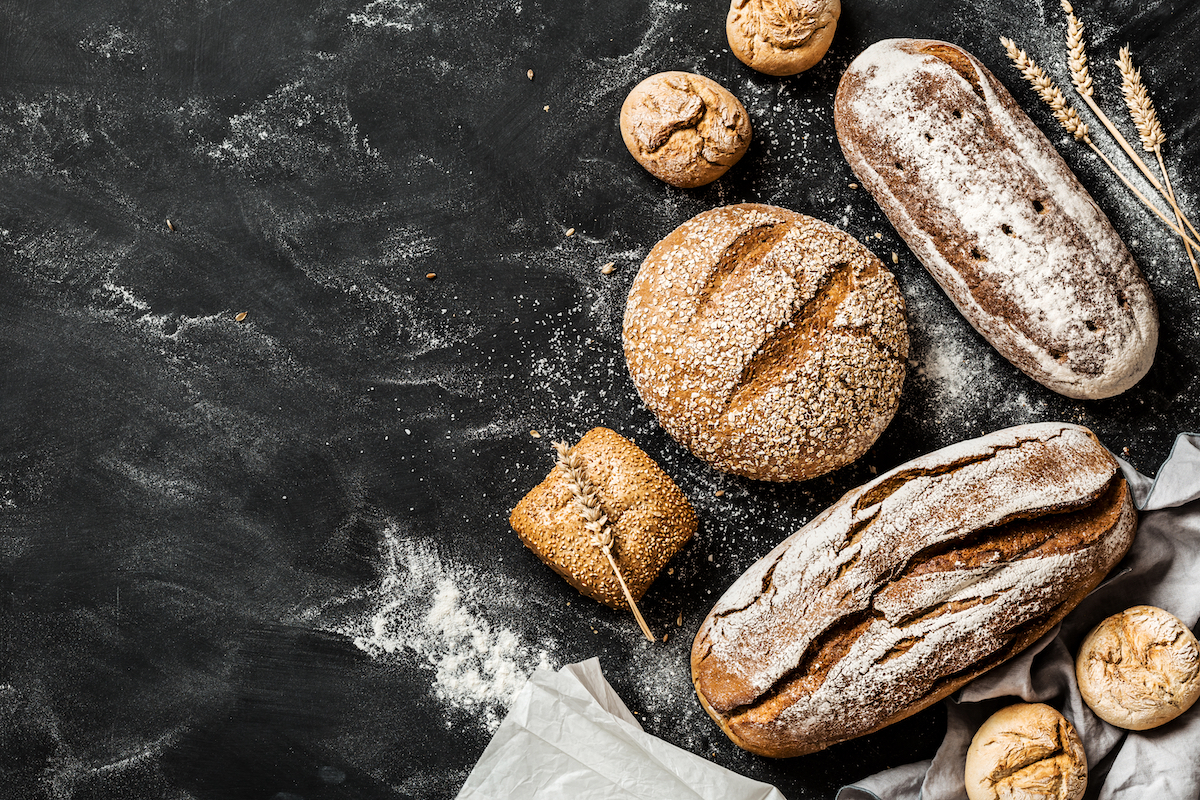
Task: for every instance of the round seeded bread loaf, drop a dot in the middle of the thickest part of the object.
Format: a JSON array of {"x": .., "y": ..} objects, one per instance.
[{"x": 771, "y": 344}]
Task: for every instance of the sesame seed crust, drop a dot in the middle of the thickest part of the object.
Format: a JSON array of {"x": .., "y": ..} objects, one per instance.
[
  {"x": 649, "y": 516},
  {"x": 771, "y": 344}
]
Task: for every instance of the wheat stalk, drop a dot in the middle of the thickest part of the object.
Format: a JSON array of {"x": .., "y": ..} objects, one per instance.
[
  {"x": 1140, "y": 107},
  {"x": 1077, "y": 60},
  {"x": 1145, "y": 119},
  {"x": 595, "y": 521},
  {"x": 1069, "y": 118},
  {"x": 1047, "y": 89}
]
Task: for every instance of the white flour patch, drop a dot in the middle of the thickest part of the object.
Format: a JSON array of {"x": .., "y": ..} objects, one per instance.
[
  {"x": 393, "y": 14},
  {"x": 290, "y": 131},
  {"x": 438, "y": 615},
  {"x": 945, "y": 365},
  {"x": 113, "y": 43}
]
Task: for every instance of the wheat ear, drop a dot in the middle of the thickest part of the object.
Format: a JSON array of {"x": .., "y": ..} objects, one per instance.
[
  {"x": 595, "y": 522},
  {"x": 1145, "y": 118},
  {"x": 1131, "y": 86},
  {"x": 1068, "y": 117}
]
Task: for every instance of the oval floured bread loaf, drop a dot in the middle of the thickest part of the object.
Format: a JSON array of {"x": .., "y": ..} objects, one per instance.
[
  {"x": 996, "y": 216},
  {"x": 770, "y": 344},
  {"x": 910, "y": 586}
]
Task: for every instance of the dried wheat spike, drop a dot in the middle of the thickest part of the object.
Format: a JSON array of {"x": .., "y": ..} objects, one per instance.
[
  {"x": 1141, "y": 108},
  {"x": 1067, "y": 116},
  {"x": 1077, "y": 60}
]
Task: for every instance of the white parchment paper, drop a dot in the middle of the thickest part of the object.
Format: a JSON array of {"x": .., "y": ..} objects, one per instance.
[{"x": 568, "y": 735}]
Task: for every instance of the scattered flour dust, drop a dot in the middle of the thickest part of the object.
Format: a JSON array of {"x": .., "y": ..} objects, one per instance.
[{"x": 437, "y": 613}]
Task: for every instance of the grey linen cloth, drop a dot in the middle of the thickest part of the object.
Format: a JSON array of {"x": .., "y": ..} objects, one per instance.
[{"x": 1162, "y": 569}]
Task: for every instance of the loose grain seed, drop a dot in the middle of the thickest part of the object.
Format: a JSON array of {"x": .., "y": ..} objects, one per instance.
[
  {"x": 570, "y": 231},
  {"x": 241, "y": 316},
  {"x": 535, "y": 434},
  {"x": 430, "y": 275},
  {"x": 608, "y": 268},
  {"x": 530, "y": 74}
]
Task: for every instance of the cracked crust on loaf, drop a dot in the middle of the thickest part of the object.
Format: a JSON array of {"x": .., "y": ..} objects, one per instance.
[{"x": 910, "y": 586}]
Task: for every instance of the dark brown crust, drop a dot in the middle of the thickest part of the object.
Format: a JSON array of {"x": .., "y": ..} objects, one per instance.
[
  {"x": 771, "y": 344},
  {"x": 996, "y": 216},
  {"x": 855, "y": 626},
  {"x": 650, "y": 517}
]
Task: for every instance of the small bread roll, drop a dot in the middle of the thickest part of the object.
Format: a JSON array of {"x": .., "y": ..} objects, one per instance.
[
  {"x": 647, "y": 515},
  {"x": 1027, "y": 751},
  {"x": 781, "y": 37},
  {"x": 1139, "y": 669},
  {"x": 684, "y": 129}
]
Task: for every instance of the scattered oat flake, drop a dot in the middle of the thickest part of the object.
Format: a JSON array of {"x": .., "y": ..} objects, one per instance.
[
  {"x": 535, "y": 434},
  {"x": 430, "y": 275},
  {"x": 241, "y": 316},
  {"x": 530, "y": 74},
  {"x": 608, "y": 268},
  {"x": 570, "y": 231}
]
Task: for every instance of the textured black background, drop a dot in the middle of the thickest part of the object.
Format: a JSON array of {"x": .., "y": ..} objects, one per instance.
[{"x": 199, "y": 515}]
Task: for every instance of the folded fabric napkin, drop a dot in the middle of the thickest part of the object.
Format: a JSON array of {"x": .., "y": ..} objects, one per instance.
[
  {"x": 1162, "y": 569},
  {"x": 568, "y": 735}
]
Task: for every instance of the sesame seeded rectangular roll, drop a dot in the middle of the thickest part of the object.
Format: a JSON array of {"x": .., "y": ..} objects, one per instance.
[{"x": 910, "y": 586}]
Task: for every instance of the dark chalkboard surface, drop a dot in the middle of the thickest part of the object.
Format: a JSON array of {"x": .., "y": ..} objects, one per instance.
[{"x": 256, "y": 467}]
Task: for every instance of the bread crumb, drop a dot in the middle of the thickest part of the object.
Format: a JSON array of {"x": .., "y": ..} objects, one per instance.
[
  {"x": 545, "y": 108},
  {"x": 608, "y": 268}
]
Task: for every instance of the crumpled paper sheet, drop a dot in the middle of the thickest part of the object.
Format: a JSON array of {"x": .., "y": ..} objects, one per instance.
[
  {"x": 1162, "y": 569},
  {"x": 568, "y": 735}
]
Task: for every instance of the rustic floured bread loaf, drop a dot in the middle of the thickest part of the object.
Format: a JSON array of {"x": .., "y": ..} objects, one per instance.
[
  {"x": 781, "y": 37},
  {"x": 996, "y": 216},
  {"x": 649, "y": 518},
  {"x": 1139, "y": 669},
  {"x": 910, "y": 586},
  {"x": 769, "y": 343},
  {"x": 685, "y": 129},
  {"x": 1026, "y": 751}
]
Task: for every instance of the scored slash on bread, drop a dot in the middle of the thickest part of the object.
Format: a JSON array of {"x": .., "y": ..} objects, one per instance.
[{"x": 910, "y": 586}]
